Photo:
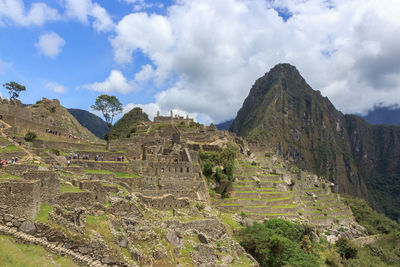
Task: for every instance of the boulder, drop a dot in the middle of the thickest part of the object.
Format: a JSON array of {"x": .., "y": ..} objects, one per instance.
[
  {"x": 28, "y": 227},
  {"x": 227, "y": 259},
  {"x": 202, "y": 238},
  {"x": 175, "y": 238}
]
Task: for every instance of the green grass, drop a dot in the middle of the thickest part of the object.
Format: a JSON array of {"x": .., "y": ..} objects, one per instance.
[
  {"x": 234, "y": 225},
  {"x": 116, "y": 174},
  {"x": 7, "y": 176},
  {"x": 43, "y": 215},
  {"x": 10, "y": 148},
  {"x": 97, "y": 172},
  {"x": 126, "y": 175},
  {"x": 24, "y": 255},
  {"x": 69, "y": 188},
  {"x": 290, "y": 206},
  {"x": 261, "y": 192}
]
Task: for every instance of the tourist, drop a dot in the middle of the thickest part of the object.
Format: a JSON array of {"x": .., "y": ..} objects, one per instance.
[
  {"x": 102, "y": 157},
  {"x": 69, "y": 162}
]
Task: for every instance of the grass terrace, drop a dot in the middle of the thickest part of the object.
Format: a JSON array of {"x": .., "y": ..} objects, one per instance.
[
  {"x": 43, "y": 215},
  {"x": 26, "y": 255},
  {"x": 6, "y": 176},
  {"x": 9, "y": 148},
  {"x": 116, "y": 174}
]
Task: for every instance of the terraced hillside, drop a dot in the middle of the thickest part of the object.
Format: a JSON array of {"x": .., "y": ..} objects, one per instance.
[{"x": 267, "y": 188}]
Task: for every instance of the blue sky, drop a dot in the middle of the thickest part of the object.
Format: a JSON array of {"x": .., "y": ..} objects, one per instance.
[{"x": 198, "y": 57}]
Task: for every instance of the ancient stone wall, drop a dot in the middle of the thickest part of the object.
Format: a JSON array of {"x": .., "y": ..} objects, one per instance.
[
  {"x": 109, "y": 166},
  {"x": 20, "y": 169},
  {"x": 49, "y": 185},
  {"x": 20, "y": 198},
  {"x": 12, "y": 154},
  {"x": 76, "y": 199},
  {"x": 100, "y": 194},
  {"x": 108, "y": 156},
  {"x": 165, "y": 202}
]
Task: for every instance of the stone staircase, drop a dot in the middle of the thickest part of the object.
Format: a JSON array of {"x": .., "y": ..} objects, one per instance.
[{"x": 27, "y": 238}]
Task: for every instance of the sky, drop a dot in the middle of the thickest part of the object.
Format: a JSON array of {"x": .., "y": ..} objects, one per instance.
[{"x": 199, "y": 57}]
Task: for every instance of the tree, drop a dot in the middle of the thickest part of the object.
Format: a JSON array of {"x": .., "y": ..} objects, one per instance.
[
  {"x": 110, "y": 107},
  {"x": 14, "y": 89}
]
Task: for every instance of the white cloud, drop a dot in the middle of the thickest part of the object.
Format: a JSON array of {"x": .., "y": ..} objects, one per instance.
[
  {"x": 50, "y": 44},
  {"x": 145, "y": 74},
  {"x": 58, "y": 88},
  {"x": 348, "y": 50},
  {"x": 116, "y": 82},
  {"x": 14, "y": 11},
  {"x": 82, "y": 9}
]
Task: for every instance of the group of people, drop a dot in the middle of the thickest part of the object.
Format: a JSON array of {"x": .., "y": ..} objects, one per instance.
[
  {"x": 13, "y": 160},
  {"x": 84, "y": 157},
  {"x": 58, "y": 133}
]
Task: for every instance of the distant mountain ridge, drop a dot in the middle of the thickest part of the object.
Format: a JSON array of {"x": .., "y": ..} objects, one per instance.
[
  {"x": 224, "y": 125},
  {"x": 283, "y": 112},
  {"x": 384, "y": 115},
  {"x": 92, "y": 122}
]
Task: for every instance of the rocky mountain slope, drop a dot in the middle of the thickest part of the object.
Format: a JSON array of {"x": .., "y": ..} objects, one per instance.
[
  {"x": 44, "y": 114},
  {"x": 92, "y": 122},
  {"x": 283, "y": 112}
]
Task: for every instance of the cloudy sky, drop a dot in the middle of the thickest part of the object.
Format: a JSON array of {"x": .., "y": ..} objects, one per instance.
[{"x": 202, "y": 56}]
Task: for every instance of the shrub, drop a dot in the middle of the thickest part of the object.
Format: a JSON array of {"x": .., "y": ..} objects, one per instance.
[
  {"x": 30, "y": 136},
  {"x": 276, "y": 242},
  {"x": 55, "y": 151},
  {"x": 345, "y": 248},
  {"x": 199, "y": 206},
  {"x": 333, "y": 259},
  {"x": 207, "y": 168},
  {"x": 218, "y": 175}
]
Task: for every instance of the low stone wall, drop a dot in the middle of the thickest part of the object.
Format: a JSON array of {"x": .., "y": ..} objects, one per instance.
[
  {"x": 108, "y": 156},
  {"x": 100, "y": 194},
  {"x": 111, "y": 188},
  {"x": 20, "y": 198},
  {"x": 49, "y": 185},
  {"x": 20, "y": 169},
  {"x": 134, "y": 184},
  {"x": 108, "y": 178},
  {"x": 76, "y": 199},
  {"x": 99, "y": 165},
  {"x": 12, "y": 154},
  {"x": 165, "y": 202}
]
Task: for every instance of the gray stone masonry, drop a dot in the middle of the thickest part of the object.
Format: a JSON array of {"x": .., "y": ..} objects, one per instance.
[
  {"x": 20, "y": 198},
  {"x": 49, "y": 185}
]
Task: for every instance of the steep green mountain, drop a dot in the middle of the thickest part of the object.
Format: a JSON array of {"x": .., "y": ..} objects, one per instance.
[
  {"x": 124, "y": 125},
  {"x": 285, "y": 114},
  {"x": 92, "y": 122},
  {"x": 384, "y": 115}
]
